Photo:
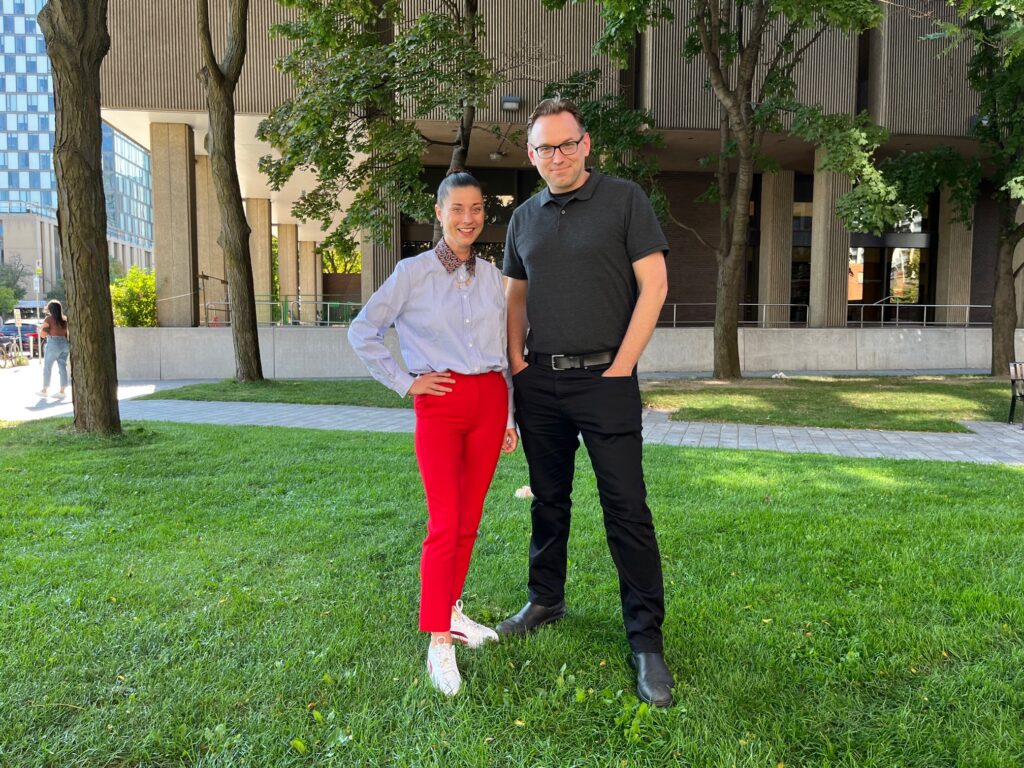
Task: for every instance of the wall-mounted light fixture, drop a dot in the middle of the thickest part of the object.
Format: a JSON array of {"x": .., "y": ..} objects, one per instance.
[{"x": 511, "y": 103}]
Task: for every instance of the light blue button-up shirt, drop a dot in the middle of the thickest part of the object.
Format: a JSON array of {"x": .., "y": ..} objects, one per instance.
[{"x": 444, "y": 323}]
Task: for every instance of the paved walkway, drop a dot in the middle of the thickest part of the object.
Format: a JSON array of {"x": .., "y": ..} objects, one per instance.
[{"x": 988, "y": 443}]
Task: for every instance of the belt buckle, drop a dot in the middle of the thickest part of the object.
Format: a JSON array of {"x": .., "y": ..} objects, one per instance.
[{"x": 555, "y": 367}]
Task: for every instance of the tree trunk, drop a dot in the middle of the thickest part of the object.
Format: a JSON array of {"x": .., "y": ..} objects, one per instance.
[
  {"x": 1004, "y": 300},
  {"x": 731, "y": 261},
  {"x": 219, "y": 83},
  {"x": 234, "y": 236},
  {"x": 460, "y": 152},
  {"x": 77, "y": 41}
]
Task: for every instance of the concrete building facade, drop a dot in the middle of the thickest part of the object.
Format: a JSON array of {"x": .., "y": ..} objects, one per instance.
[{"x": 804, "y": 268}]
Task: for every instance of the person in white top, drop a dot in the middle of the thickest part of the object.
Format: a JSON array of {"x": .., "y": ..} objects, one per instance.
[{"x": 448, "y": 307}]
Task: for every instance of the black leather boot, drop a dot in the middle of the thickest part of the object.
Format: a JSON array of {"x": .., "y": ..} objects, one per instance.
[
  {"x": 654, "y": 683},
  {"x": 532, "y": 617}
]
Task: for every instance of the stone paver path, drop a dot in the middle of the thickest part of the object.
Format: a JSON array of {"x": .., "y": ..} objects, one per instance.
[{"x": 988, "y": 443}]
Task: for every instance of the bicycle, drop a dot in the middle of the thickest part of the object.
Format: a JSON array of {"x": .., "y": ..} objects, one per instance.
[{"x": 10, "y": 352}]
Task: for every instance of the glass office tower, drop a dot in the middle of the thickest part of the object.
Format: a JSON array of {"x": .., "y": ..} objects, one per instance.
[{"x": 28, "y": 187}]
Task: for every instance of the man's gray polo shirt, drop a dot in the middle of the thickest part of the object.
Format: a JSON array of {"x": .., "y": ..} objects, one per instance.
[{"x": 578, "y": 258}]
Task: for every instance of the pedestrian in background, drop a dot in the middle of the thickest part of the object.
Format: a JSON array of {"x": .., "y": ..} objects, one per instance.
[{"x": 55, "y": 330}]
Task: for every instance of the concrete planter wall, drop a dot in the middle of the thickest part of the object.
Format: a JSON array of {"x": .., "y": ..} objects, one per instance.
[{"x": 309, "y": 353}]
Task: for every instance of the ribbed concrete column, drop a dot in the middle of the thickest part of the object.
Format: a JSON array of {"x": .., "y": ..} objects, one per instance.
[
  {"x": 288, "y": 266},
  {"x": 172, "y": 158},
  {"x": 775, "y": 257},
  {"x": 379, "y": 260},
  {"x": 310, "y": 281},
  {"x": 830, "y": 251},
  {"x": 213, "y": 290},
  {"x": 257, "y": 213},
  {"x": 952, "y": 265}
]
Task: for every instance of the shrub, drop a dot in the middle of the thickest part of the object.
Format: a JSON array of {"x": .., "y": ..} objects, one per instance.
[{"x": 134, "y": 299}]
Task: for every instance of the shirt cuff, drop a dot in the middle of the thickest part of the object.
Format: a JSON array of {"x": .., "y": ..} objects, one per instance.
[{"x": 403, "y": 382}]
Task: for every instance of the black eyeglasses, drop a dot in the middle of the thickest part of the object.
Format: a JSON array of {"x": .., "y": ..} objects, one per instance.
[{"x": 546, "y": 151}]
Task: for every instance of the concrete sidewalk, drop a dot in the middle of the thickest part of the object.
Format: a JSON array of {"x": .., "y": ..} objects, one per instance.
[
  {"x": 20, "y": 401},
  {"x": 988, "y": 443}
]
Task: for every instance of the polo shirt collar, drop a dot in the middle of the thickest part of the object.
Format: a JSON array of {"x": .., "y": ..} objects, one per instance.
[{"x": 583, "y": 193}]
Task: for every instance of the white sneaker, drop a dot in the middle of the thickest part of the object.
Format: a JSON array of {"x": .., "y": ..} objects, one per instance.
[
  {"x": 444, "y": 672},
  {"x": 465, "y": 630}
]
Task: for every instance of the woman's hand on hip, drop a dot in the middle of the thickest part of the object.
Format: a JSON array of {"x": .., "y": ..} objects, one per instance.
[
  {"x": 511, "y": 440},
  {"x": 433, "y": 383}
]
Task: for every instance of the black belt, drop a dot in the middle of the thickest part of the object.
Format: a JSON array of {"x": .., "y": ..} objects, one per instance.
[{"x": 567, "y": 362}]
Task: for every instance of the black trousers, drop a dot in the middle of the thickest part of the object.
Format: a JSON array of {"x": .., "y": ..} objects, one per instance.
[{"x": 552, "y": 409}]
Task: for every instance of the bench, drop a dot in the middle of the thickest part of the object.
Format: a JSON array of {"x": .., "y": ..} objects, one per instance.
[{"x": 1016, "y": 389}]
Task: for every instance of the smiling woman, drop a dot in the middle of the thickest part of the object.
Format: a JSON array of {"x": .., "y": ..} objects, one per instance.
[{"x": 448, "y": 308}]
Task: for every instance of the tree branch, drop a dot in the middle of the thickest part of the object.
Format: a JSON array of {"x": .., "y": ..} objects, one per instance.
[
  {"x": 710, "y": 43},
  {"x": 437, "y": 142},
  {"x": 234, "y": 56},
  {"x": 210, "y": 66},
  {"x": 752, "y": 53},
  {"x": 691, "y": 230}
]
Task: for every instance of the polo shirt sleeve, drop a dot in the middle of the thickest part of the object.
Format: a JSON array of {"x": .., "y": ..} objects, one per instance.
[
  {"x": 644, "y": 235},
  {"x": 512, "y": 266}
]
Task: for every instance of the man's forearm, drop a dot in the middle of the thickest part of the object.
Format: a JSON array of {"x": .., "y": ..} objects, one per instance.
[
  {"x": 641, "y": 328},
  {"x": 516, "y": 324},
  {"x": 516, "y": 333},
  {"x": 652, "y": 281}
]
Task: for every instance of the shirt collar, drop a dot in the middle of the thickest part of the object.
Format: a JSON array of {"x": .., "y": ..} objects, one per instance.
[
  {"x": 583, "y": 193},
  {"x": 451, "y": 262}
]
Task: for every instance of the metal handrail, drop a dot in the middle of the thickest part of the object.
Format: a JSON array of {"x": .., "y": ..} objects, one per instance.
[
  {"x": 288, "y": 311},
  {"x": 709, "y": 318},
  {"x": 894, "y": 314},
  {"x": 890, "y": 315}
]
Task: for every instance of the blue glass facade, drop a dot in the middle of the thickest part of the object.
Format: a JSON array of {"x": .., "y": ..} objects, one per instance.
[
  {"x": 27, "y": 181},
  {"x": 27, "y": 184},
  {"x": 129, "y": 191}
]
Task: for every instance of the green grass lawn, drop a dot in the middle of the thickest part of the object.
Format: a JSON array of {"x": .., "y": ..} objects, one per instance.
[
  {"x": 306, "y": 391},
  {"x": 920, "y": 403},
  {"x": 226, "y": 596}
]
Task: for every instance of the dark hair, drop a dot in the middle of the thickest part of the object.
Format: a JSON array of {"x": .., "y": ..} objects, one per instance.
[
  {"x": 56, "y": 311},
  {"x": 456, "y": 180},
  {"x": 556, "y": 105}
]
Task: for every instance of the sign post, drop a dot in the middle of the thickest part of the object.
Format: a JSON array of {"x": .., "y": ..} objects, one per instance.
[{"x": 35, "y": 283}]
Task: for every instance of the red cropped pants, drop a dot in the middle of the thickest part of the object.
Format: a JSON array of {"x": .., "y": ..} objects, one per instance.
[{"x": 458, "y": 441}]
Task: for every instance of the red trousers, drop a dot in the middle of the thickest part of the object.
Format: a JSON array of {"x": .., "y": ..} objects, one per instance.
[{"x": 458, "y": 441}]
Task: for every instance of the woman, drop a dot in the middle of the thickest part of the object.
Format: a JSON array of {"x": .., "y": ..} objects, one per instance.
[
  {"x": 55, "y": 330},
  {"x": 448, "y": 307}
]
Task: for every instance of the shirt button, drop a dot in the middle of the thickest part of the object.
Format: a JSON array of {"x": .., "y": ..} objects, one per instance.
[
  {"x": 471, "y": 343},
  {"x": 563, "y": 211}
]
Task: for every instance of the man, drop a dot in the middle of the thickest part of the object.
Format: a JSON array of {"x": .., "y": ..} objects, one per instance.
[{"x": 585, "y": 261}]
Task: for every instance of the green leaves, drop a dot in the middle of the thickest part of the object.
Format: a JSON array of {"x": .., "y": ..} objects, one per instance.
[
  {"x": 133, "y": 298},
  {"x": 849, "y": 142},
  {"x": 362, "y": 73}
]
